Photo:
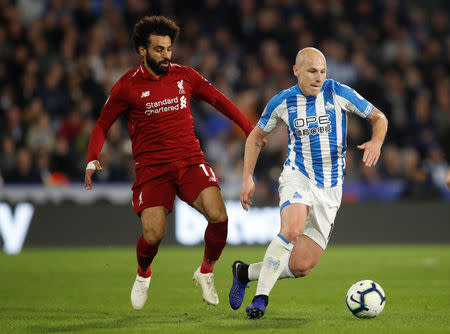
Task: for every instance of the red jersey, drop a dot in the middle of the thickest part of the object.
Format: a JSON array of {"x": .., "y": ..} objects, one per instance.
[{"x": 160, "y": 122}]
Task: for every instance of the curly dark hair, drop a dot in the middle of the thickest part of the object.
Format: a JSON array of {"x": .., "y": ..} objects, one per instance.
[{"x": 153, "y": 25}]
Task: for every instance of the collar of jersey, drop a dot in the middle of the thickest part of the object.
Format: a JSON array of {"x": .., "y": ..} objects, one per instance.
[{"x": 146, "y": 75}]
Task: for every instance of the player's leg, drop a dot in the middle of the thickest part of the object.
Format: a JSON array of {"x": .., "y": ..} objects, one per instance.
[
  {"x": 293, "y": 220},
  {"x": 304, "y": 257},
  {"x": 153, "y": 227},
  {"x": 153, "y": 210},
  {"x": 200, "y": 188},
  {"x": 310, "y": 247},
  {"x": 294, "y": 205},
  {"x": 210, "y": 204}
]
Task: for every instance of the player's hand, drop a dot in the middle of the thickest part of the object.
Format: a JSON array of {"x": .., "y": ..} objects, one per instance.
[
  {"x": 247, "y": 191},
  {"x": 447, "y": 178},
  {"x": 372, "y": 151},
  {"x": 90, "y": 169}
]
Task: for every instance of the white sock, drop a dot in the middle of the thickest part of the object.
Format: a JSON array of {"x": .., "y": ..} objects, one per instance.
[
  {"x": 253, "y": 271},
  {"x": 255, "y": 268},
  {"x": 275, "y": 260},
  {"x": 286, "y": 272}
]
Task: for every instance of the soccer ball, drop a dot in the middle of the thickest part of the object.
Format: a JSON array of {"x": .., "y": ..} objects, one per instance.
[{"x": 366, "y": 299}]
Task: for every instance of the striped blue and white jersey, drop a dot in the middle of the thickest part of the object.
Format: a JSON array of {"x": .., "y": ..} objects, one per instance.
[{"x": 317, "y": 128}]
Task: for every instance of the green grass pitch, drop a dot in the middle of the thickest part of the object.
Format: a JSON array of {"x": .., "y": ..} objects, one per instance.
[{"x": 87, "y": 290}]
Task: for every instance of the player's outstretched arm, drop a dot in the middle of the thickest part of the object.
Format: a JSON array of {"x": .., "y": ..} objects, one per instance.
[
  {"x": 91, "y": 167},
  {"x": 253, "y": 145},
  {"x": 204, "y": 91},
  {"x": 372, "y": 148},
  {"x": 114, "y": 106}
]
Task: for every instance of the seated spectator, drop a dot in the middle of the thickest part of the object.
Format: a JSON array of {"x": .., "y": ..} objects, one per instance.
[
  {"x": 390, "y": 167},
  {"x": 41, "y": 134},
  {"x": 7, "y": 155},
  {"x": 416, "y": 177},
  {"x": 24, "y": 170},
  {"x": 436, "y": 166},
  {"x": 71, "y": 126},
  {"x": 61, "y": 160}
]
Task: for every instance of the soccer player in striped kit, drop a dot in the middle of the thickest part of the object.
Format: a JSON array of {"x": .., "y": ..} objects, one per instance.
[
  {"x": 310, "y": 186},
  {"x": 168, "y": 159}
]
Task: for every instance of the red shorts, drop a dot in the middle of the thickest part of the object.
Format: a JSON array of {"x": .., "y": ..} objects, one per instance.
[{"x": 158, "y": 185}]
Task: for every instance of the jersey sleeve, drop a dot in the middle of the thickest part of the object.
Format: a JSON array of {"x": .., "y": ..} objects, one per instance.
[
  {"x": 114, "y": 106},
  {"x": 270, "y": 116},
  {"x": 351, "y": 101},
  {"x": 203, "y": 90}
]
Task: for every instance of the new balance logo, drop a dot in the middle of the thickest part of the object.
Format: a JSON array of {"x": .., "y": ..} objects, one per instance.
[
  {"x": 329, "y": 106},
  {"x": 145, "y": 94},
  {"x": 297, "y": 195}
]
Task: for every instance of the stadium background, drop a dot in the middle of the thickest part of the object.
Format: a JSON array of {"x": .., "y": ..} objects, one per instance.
[{"x": 59, "y": 60}]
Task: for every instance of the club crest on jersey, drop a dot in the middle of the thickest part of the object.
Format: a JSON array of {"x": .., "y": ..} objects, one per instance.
[
  {"x": 329, "y": 106},
  {"x": 180, "y": 87},
  {"x": 145, "y": 94}
]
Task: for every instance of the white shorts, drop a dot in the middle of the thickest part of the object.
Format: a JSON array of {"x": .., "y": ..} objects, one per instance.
[{"x": 323, "y": 202}]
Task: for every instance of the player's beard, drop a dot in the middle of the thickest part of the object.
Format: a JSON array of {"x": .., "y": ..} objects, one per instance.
[{"x": 157, "y": 66}]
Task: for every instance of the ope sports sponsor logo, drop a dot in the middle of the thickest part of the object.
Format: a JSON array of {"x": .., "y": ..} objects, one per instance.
[
  {"x": 166, "y": 105},
  {"x": 303, "y": 129}
]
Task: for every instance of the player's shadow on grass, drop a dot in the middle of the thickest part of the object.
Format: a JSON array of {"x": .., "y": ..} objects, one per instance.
[
  {"x": 73, "y": 320},
  {"x": 56, "y": 320},
  {"x": 125, "y": 322},
  {"x": 131, "y": 322},
  {"x": 265, "y": 323}
]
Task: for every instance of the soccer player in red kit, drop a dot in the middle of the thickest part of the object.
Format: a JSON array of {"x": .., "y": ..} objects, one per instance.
[{"x": 169, "y": 161}]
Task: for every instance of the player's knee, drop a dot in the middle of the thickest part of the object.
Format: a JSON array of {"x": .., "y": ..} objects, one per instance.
[
  {"x": 300, "y": 272},
  {"x": 301, "y": 269},
  {"x": 291, "y": 234},
  {"x": 217, "y": 215},
  {"x": 153, "y": 236}
]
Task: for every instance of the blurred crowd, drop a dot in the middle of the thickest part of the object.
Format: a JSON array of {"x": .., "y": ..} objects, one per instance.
[{"x": 59, "y": 60}]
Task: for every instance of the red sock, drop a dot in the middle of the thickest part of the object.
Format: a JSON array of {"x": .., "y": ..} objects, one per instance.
[
  {"x": 215, "y": 240},
  {"x": 145, "y": 254}
]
